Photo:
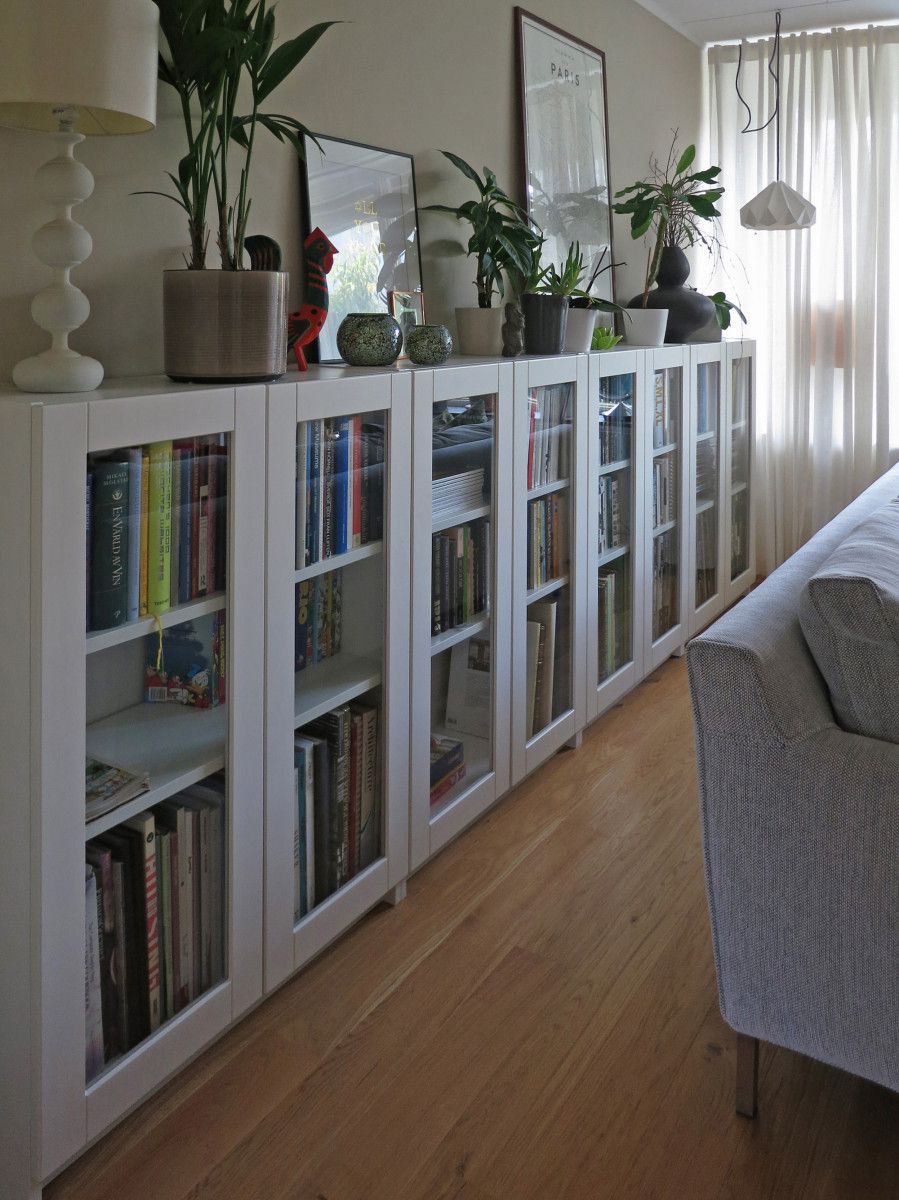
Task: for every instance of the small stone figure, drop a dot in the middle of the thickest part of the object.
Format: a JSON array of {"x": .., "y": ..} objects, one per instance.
[{"x": 513, "y": 332}]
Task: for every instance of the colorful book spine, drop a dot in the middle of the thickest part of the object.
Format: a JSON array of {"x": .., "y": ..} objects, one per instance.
[
  {"x": 159, "y": 536},
  {"x": 145, "y": 825},
  {"x": 144, "y": 530},
  {"x": 109, "y": 543}
]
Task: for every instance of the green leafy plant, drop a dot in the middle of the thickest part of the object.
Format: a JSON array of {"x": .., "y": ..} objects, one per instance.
[
  {"x": 674, "y": 203},
  {"x": 724, "y": 309},
  {"x": 564, "y": 281},
  {"x": 503, "y": 237},
  {"x": 604, "y": 338},
  {"x": 211, "y": 47}
]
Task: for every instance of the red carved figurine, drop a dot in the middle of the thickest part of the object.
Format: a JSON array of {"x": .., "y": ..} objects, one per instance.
[{"x": 304, "y": 325}]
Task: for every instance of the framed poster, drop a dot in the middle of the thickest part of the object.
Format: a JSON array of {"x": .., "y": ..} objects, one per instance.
[
  {"x": 564, "y": 117},
  {"x": 363, "y": 198}
]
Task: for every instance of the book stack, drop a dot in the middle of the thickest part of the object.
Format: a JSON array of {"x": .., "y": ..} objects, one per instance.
[
  {"x": 612, "y": 524},
  {"x": 156, "y": 528},
  {"x": 185, "y": 664},
  {"x": 338, "y": 802},
  {"x": 665, "y": 606},
  {"x": 615, "y": 419},
  {"x": 340, "y": 487},
  {"x": 706, "y": 468},
  {"x": 549, "y": 440},
  {"x": 319, "y": 608},
  {"x": 154, "y": 919},
  {"x": 614, "y": 629},
  {"x": 664, "y": 490},
  {"x": 447, "y": 767},
  {"x": 706, "y": 555},
  {"x": 106, "y": 787},
  {"x": 547, "y": 538},
  {"x": 541, "y": 663},
  {"x": 664, "y": 424},
  {"x": 456, "y": 493},
  {"x": 460, "y": 575}
]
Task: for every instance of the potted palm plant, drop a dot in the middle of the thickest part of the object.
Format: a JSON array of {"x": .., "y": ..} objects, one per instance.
[
  {"x": 502, "y": 241},
  {"x": 228, "y": 323},
  {"x": 674, "y": 203}
]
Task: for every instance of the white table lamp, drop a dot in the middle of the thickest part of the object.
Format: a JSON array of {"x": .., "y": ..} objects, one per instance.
[{"x": 72, "y": 70}]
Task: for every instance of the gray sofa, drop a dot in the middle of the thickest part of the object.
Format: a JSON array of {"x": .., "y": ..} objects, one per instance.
[{"x": 800, "y": 816}]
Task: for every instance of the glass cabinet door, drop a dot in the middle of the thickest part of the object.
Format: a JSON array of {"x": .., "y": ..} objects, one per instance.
[
  {"x": 707, "y": 595},
  {"x": 740, "y": 476},
  {"x": 459, "y": 659},
  {"x": 615, "y": 548}
]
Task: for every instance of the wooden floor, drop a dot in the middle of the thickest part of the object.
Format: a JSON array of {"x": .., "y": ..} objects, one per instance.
[{"x": 538, "y": 1019}]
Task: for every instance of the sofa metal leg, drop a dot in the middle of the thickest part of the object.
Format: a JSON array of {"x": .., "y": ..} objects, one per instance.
[{"x": 747, "y": 1075}]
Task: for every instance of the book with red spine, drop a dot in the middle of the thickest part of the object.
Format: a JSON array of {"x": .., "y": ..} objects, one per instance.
[{"x": 145, "y": 824}]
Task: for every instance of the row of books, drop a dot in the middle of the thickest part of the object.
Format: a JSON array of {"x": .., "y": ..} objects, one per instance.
[
  {"x": 549, "y": 437},
  {"x": 666, "y": 411},
  {"x": 447, "y": 767},
  {"x": 547, "y": 538},
  {"x": 185, "y": 664},
  {"x": 460, "y": 574},
  {"x": 154, "y": 919},
  {"x": 706, "y": 555},
  {"x": 614, "y": 618},
  {"x": 706, "y": 469},
  {"x": 454, "y": 493},
  {"x": 615, "y": 422},
  {"x": 319, "y": 609},
  {"x": 706, "y": 397},
  {"x": 665, "y": 606},
  {"x": 739, "y": 534},
  {"x": 156, "y": 528},
  {"x": 612, "y": 511},
  {"x": 664, "y": 490},
  {"x": 542, "y": 628},
  {"x": 340, "y": 487},
  {"x": 337, "y": 779}
]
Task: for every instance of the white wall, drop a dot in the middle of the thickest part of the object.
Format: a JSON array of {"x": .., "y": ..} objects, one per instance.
[{"x": 417, "y": 77}]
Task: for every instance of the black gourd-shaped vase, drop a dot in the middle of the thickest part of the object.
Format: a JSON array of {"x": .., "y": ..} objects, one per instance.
[{"x": 688, "y": 310}]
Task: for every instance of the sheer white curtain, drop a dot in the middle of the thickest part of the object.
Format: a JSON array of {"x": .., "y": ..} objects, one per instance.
[{"x": 823, "y": 303}]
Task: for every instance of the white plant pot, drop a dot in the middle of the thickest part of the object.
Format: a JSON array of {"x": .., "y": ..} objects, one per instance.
[
  {"x": 645, "y": 326},
  {"x": 480, "y": 331},
  {"x": 579, "y": 334}
]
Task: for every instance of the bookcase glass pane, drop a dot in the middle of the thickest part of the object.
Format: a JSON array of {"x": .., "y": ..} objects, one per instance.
[
  {"x": 667, "y": 424},
  {"x": 708, "y": 383},
  {"x": 156, "y": 807},
  {"x": 741, "y": 441},
  {"x": 462, "y": 502},
  {"x": 549, "y": 441},
  {"x": 616, "y": 497},
  {"x": 338, "y": 599}
]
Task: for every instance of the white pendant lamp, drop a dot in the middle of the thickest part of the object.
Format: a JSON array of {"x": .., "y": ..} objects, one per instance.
[
  {"x": 778, "y": 206},
  {"x": 72, "y": 70}
]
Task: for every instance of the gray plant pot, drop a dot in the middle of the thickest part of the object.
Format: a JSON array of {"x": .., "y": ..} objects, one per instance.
[
  {"x": 225, "y": 326},
  {"x": 545, "y": 323}
]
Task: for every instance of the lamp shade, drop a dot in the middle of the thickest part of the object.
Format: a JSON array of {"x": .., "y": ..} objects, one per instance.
[
  {"x": 98, "y": 57},
  {"x": 778, "y": 206}
]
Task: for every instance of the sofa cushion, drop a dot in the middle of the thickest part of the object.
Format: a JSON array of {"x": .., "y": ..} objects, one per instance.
[{"x": 849, "y": 611}]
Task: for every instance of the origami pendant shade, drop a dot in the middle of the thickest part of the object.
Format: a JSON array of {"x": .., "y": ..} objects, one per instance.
[{"x": 778, "y": 206}]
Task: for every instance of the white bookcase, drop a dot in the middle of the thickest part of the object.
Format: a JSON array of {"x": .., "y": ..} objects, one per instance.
[
  {"x": 706, "y": 592},
  {"x": 82, "y": 694},
  {"x": 739, "y": 527},
  {"x": 463, "y": 428},
  {"x": 371, "y": 411},
  {"x": 616, "y": 504},
  {"x": 449, "y": 459},
  {"x": 549, "y": 558}
]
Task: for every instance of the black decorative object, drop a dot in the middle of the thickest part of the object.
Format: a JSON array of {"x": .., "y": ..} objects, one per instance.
[
  {"x": 263, "y": 251},
  {"x": 513, "y": 331},
  {"x": 688, "y": 310},
  {"x": 545, "y": 323}
]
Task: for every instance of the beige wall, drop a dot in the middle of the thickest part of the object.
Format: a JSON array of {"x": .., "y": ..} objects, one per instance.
[{"x": 417, "y": 77}]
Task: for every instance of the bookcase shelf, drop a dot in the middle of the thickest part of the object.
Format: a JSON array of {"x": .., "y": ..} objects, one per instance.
[
  {"x": 477, "y": 765},
  {"x": 736, "y": 488},
  {"x": 336, "y": 681},
  {"x": 705, "y": 505},
  {"x": 610, "y": 555},
  {"x": 336, "y": 561},
  {"x": 461, "y": 516},
  {"x": 707, "y": 435},
  {"x": 452, "y": 637},
  {"x": 546, "y": 589},
  {"x": 659, "y": 530},
  {"x": 668, "y": 448},
  {"x": 612, "y": 468},
  {"x": 546, "y": 489},
  {"x": 104, "y": 639}
]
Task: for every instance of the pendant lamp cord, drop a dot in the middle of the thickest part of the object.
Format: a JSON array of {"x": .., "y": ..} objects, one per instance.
[{"x": 774, "y": 72}]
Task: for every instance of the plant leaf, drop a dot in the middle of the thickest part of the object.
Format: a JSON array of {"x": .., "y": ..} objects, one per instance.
[
  {"x": 466, "y": 170},
  {"x": 288, "y": 57},
  {"x": 685, "y": 159}
]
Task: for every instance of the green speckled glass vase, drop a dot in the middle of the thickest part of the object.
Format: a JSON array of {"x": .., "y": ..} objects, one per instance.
[{"x": 369, "y": 339}]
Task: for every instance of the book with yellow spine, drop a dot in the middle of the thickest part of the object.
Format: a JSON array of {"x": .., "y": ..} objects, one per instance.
[{"x": 159, "y": 531}]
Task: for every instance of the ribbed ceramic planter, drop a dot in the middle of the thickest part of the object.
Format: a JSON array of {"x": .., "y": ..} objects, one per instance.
[
  {"x": 225, "y": 326},
  {"x": 644, "y": 326},
  {"x": 369, "y": 339},
  {"x": 579, "y": 334},
  {"x": 545, "y": 323},
  {"x": 480, "y": 331}
]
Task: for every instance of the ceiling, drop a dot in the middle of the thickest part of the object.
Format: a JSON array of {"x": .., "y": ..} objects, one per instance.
[{"x": 723, "y": 20}]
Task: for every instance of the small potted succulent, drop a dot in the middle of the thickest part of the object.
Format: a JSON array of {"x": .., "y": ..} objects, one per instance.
[
  {"x": 228, "y": 324},
  {"x": 502, "y": 241},
  {"x": 674, "y": 203}
]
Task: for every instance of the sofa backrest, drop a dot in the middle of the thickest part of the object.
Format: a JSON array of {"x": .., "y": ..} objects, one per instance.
[{"x": 752, "y": 675}]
